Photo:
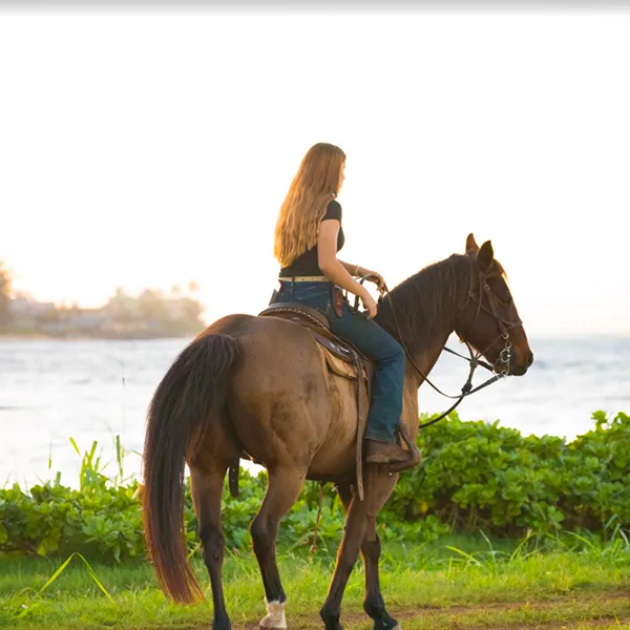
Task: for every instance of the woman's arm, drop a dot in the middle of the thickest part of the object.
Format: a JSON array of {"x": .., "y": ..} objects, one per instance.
[
  {"x": 353, "y": 270},
  {"x": 336, "y": 271},
  {"x": 361, "y": 272}
]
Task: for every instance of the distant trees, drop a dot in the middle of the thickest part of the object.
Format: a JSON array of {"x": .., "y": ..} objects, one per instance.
[
  {"x": 149, "y": 314},
  {"x": 5, "y": 298},
  {"x": 176, "y": 314}
]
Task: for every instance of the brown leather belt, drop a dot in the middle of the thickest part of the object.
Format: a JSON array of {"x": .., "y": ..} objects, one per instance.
[{"x": 304, "y": 279}]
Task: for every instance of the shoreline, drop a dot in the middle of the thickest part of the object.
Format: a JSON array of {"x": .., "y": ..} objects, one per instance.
[
  {"x": 10, "y": 338},
  {"x": 19, "y": 337}
]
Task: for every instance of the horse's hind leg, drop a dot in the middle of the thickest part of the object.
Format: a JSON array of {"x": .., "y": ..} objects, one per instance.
[
  {"x": 207, "y": 488},
  {"x": 282, "y": 491},
  {"x": 373, "y": 603}
]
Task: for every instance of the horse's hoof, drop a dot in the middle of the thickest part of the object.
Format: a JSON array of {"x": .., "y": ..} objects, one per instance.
[
  {"x": 275, "y": 619},
  {"x": 332, "y": 624},
  {"x": 385, "y": 622}
]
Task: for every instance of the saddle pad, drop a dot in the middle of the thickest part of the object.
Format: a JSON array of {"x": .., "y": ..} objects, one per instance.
[{"x": 341, "y": 367}]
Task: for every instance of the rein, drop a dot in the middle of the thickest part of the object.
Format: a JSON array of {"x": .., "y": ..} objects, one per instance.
[
  {"x": 467, "y": 389},
  {"x": 474, "y": 361}
]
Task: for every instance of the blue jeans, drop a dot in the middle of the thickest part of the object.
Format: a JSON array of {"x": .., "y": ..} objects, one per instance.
[{"x": 371, "y": 340}]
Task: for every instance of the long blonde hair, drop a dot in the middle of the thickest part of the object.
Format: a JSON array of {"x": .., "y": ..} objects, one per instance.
[{"x": 315, "y": 184}]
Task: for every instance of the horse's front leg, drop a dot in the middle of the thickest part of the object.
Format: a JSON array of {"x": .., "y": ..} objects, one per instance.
[
  {"x": 373, "y": 603},
  {"x": 354, "y": 532}
]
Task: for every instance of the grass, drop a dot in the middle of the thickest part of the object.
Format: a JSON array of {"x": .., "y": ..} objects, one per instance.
[
  {"x": 462, "y": 582},
  {"x": 458, "y": 583}
]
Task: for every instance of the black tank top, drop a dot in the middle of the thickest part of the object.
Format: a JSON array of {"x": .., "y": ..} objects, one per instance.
[{"x": 306, "y": 264}]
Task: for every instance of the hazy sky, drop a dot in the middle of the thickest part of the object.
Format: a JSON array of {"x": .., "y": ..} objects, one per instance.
[{"x": 147, "y": 149}]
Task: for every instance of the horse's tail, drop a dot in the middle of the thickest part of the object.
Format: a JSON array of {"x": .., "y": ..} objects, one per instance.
[{"x": 189, "y": 396}]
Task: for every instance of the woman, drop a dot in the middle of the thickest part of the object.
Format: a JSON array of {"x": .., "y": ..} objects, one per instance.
[{"x": 308, "y": 236}]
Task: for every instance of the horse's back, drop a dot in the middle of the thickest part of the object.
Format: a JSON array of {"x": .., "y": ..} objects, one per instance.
[{"x": 272, "y": 349}]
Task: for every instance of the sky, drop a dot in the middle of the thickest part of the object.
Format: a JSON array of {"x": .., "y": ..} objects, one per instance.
[{"x": 145, "y": 149}]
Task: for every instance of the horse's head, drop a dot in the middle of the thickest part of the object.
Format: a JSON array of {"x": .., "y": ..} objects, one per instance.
[{"x": 489, "y": 320}]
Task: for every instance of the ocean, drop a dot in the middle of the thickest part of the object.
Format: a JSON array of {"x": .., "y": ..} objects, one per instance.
[{"x": 51, "y": 391}]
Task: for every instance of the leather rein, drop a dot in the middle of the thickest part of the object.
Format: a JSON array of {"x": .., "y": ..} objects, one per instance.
[{"x": 474, "y": 361}]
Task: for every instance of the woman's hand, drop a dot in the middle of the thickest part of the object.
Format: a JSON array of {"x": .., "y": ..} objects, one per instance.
[
  {"x": 369, "y": 303},
  {"x": 378, "y": 280}
]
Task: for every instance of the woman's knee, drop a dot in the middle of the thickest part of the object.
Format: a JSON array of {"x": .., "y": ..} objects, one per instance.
[{"x": 395, "y": 354}]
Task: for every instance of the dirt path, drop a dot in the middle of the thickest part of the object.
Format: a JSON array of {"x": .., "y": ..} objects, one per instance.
[
  {"x": 603, "y": 610},
  {"x": 592, "y": 610}
]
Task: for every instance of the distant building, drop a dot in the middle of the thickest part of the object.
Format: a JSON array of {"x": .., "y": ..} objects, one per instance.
[
  {"x": 27, "y": 313},
  {"x": 148, "y": 315},
  {"x": 25, "y": 305}
]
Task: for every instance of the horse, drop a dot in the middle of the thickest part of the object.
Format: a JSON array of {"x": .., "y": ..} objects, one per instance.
[{"x": 259, "y": 386}]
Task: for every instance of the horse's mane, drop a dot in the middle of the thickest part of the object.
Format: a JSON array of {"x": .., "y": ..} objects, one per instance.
[{"x": 423, "y": 301}]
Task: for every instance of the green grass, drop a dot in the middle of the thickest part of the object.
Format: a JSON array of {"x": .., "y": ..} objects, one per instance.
[{"x": 458, "y": 583}]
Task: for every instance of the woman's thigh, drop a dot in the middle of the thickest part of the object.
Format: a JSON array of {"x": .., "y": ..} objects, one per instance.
[{"x": 365, "y": 334}]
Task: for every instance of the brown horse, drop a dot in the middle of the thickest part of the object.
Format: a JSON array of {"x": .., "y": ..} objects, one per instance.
[{"x": 259, "y": 386}]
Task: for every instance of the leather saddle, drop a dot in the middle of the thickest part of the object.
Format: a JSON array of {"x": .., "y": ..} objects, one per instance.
[{"x": 342, "y": 357}]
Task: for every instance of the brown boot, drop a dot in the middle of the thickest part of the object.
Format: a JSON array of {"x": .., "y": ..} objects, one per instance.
[{"x": 388, "y": 453}]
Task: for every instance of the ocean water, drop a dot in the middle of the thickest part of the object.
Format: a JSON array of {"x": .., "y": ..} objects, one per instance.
[{"x": 51, "y": 391}]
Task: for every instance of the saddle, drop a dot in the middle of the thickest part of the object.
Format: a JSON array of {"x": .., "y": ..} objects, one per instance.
[{"x": 342, "y": 359}]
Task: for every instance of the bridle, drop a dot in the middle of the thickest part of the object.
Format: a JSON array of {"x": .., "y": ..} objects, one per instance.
[
  {"x": 505, "y": 356},
  {"x": 504, "y": 325}
]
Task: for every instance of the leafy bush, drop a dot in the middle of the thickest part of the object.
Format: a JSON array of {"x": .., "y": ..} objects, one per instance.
[
  {"x": 475, "y": 475},
  {"x": 480, "y": 475}
]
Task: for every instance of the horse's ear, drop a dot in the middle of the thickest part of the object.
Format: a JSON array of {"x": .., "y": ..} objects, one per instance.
[
  {"x": 471, "y": 244},
  {"x": 485, "y": 256}
]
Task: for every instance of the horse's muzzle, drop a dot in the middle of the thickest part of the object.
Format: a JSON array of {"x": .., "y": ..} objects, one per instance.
[{"x": 520, "y": 369}]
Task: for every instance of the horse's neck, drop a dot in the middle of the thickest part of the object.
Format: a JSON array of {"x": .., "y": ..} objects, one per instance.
[
  {"x": 424, "y": 359},
  {"x": 428, "y": 304},
  {"x": 422, "y": 313}
]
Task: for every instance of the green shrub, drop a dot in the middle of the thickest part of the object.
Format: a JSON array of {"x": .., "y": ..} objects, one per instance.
[{"x": 475, "y": 475}]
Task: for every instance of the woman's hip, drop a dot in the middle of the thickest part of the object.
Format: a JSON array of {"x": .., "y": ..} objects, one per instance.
[{"x": 315, "y": 294}]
